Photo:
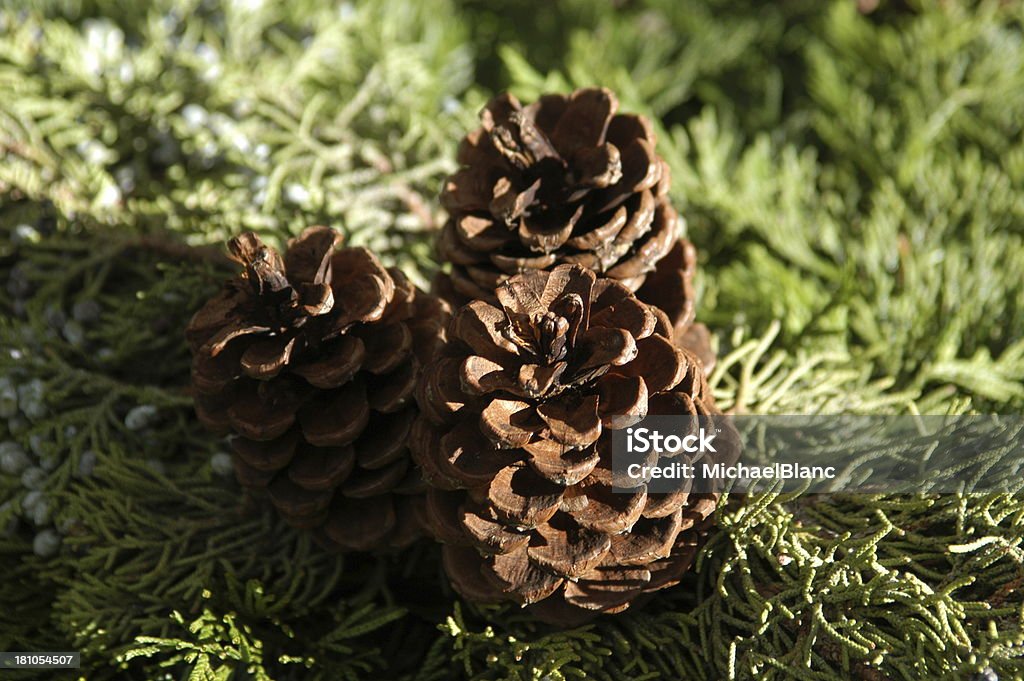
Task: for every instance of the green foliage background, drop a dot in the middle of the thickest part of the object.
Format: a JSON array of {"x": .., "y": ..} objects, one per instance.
[{"x": 855, "y": 186}]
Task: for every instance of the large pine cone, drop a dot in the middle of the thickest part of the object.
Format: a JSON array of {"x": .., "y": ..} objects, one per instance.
[
  {"x": 311, "y": 361},
  {"x": 565, "y": 180},
  {"x": 515, "y": 440}
]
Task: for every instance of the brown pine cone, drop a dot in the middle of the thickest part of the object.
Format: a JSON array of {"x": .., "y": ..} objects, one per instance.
[
  {"x": 311, "y": 361},
  {"x": 515, "y": 441},
  {"x": 566, "y": 179}
]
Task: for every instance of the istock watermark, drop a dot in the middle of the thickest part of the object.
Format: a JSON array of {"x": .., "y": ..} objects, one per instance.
[
  {"x": 645, "y": 439},
  {"x": 820, "y": 454}
]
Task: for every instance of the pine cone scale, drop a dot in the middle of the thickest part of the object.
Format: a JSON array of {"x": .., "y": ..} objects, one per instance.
[
  {"x": 264, "y": 359},
  {"x": 210, "y": 318},
  {"x": 559, "y": 464},
  {"x": 609, "y": 512},
  {"x": 571, "y": 421},
  {"x": 584, "y": 121},
  {"x": 444, "y": 515},
  {"x": 360, "y": 526},
  {"x": 298, "y": 503},
  {"x": 384, "y": 438},
  {"x": 479, "y": 233},
  {"x": 269, "y": 456},
  {"x": 654, "y": 540},
  {"x": 337, "y": 365},
  {"x": 599, "y": 236},
  {"x": 514, "y": 573},
  {"x": 468, "y": 457},
  {"x": 508, "y": 423},
  {"x": 367, "y": 483},
  {"x": 563, "y": 548},
  {"x": 258, "y": 420},
  {"x": 486, "y": 534},
  {"x": 322, "y": 468},
  {"x": 461, "y": 564},
  {"x": 522, "y": 498},
  {"x": 321, "y": 425}
]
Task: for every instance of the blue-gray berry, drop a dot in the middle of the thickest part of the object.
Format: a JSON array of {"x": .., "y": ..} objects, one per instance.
[
  {"x": 195, "y": 116},
  {"x": 41, "y": 515},
  {"x": 296, "y": 193},
  {"x": 31, "y": 500},
  {"x": 13, "y": 459},
  {"x": 46, "y": 543},
  {"x": 222, "y": 465},
  {"x": 33, "y": 478},
  {"x": 49, "y": 461},
  {"x": 86, "y": 464},
  {"x": 26, "y": 234},
  {"x": 74, "y": 333},
  {"x": 141, "y": 417},
  {"x": 36, "y": 508},
  {"x": 31, "y": 399},
  {"x": 125, "y": 177}
]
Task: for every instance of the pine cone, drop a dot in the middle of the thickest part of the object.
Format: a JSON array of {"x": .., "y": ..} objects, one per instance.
[
  {"x": 311, "y": 361},
  {"x": 564, "y": 180},
  {"x": 515, "y": 440}
]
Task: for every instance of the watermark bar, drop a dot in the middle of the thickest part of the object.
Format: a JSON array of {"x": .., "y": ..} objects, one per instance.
[
  {"x": 819, "y": 454},
  {"x": 40, "y": 660}
]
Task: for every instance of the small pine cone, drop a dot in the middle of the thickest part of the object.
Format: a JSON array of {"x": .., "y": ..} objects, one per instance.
[
  {"x": 515, "y": 440},
  {"x": 565, "y": 180},
  {"x": 311, "y": 361}
]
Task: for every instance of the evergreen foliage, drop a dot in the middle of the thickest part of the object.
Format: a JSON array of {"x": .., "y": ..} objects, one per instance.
[{"x": 854, "y": 184}]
